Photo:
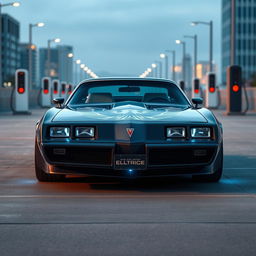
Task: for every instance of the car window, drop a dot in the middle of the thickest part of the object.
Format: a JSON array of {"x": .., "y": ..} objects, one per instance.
[{"x": 111, "y": 92}]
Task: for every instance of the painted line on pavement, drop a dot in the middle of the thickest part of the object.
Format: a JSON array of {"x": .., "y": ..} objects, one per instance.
[{"x": 131, "y": 196}]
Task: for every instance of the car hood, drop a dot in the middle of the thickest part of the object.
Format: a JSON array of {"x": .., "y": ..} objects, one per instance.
[{"x": 129, "y": 113}]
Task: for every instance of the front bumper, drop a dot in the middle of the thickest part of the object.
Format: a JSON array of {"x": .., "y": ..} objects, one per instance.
[{"x": 97, "y": 159}]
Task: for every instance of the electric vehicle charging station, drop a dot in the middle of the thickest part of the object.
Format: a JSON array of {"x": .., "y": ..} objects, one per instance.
[
  {"x": 69, "y": 89},
  {"x": 196, "y": 88},
  {"x": 45, "y": 92},
  {"x": 55, "y": 88},
  {"x": 211, "y": 93},
  {"x": 234, "y": 90},
  {"x": 21, "y": 93},
  {"x": 182, "y": 85},
  {"x": 63, "y": 90}
]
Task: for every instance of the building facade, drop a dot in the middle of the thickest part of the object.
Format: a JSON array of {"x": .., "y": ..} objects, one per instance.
[
  {"x": 61, "y": 66},
  {"x": 10, "y": 49},
  {"x": 245, "y": 36},
  {"x": 24, "y": 61}
]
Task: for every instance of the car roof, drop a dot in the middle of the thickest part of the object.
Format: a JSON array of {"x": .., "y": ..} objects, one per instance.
[{"x": 102, "y": 79}]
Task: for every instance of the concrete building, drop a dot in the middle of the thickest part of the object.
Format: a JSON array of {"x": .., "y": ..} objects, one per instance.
[
  {"x": 24, "y": 61},
  {"x": 10, "y": 49},
  {"x": 61, "y": 66},
  {"x": 245, "y": 42}
]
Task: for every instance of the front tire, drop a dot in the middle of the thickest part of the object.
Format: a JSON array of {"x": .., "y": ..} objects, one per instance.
[
  {"x": 216, "y": 176},
  {"x": 41, "y": 175}
]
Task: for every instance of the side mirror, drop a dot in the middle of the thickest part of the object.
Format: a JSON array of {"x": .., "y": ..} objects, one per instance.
[
  {"x": 58, "y": 102},
  {"x": 197, "y": 101}
]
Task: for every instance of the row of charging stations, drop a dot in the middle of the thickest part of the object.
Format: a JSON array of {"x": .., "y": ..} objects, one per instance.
[
  {"x": 53, "y": 89},
  {"x": 49, "y": 90}
]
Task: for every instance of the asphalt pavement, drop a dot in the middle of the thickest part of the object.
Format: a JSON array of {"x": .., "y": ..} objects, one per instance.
[{"x": 96, "y": 216}]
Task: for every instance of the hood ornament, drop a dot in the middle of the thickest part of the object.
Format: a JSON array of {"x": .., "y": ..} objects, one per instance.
[{"x": 130, "y": 131}]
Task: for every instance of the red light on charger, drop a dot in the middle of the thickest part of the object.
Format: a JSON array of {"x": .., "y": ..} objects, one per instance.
[
  {"x": 21, "y": 90},
  {"x": 212, "y": 89},
  {"x": 235, "y": 88}
]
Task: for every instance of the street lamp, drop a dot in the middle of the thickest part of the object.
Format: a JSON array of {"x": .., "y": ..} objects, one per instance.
[
  {"x": 195, "y": 53},
  {"x": 210, "y": 24},
  {"x": 160, "y": 68},
  {"x": 82, "y": 66},
  {"x": 77, "y": 62},
  {"x": 154, "y": 70},
  {"x": 55, "y": 40},
  {"x": 184, "y": 57},
  {"x": 14, "y": 4},
  {"x": 173, "y": 63},
  {"x": 165, "y": 56},
  {"x": 30, "y": 62}
]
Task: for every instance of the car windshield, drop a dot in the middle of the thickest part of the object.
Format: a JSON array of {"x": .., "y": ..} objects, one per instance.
[{"x": 109, "y": 92}]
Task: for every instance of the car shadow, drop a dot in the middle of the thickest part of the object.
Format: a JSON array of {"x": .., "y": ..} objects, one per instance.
[{"x": 239, "y": 177}]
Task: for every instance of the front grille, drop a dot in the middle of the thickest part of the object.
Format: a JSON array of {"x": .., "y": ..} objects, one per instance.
[
  {"x": 180, "y": 156},
  {"x": 130, "y": 148},
  {"x": 76, "y": 155}
]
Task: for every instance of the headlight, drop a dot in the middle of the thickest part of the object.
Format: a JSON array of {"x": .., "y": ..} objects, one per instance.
[
  {"x": 85, "y": 132},
  {"x": 176, "y": 132},
  {"x": 60, "y": 132},
  {"x": 201, "y": 132}
]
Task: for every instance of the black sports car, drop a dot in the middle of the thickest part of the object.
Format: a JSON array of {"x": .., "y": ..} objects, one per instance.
[{"x": 128, "y": 128}]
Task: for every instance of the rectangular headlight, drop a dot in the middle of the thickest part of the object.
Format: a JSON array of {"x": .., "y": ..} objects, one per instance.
[
  {"x": 85, "y": 132},
  {"x": 201, "y": 132},
  {"x": 176, "y": 132},
  {"x": 60, "y": 132}
]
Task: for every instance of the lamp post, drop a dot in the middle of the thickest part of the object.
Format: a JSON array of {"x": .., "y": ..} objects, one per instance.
[
  {"x": 153, "y": 65},
  {"x": 82, "y": 66},
  {"x": 30, "y": 62},
  {"x": 70, "y": 65},
  {"x": 195, "y": 53},
  {"x": 77, "y": 62},
  {"x": 210, "y": 24},
  {"x": 165, "y": 56},
  {"x": 14, "y": 4},
  {"x": 55, "y": 40},
  {"x": 173, "y": 64},
  {"x": 160, "y": 68},
  {"x": 184, "y": 59}
]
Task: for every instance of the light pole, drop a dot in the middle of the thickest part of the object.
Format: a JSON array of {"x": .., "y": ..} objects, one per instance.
[
  {"x": 82, "y": 66},
  {"x": 184, "y": 59},
  {"x": 14, "y": 4},
  {"x": 70, "y": 65},
  {"x": 154, "y": 70},
  {"x": 55, "y": 40},
  {"x": 195, "y": 53},
  {"x": 210, "y": 24},
  {"x": 160, "y": 68},
  {"x": 30, "y": 62},
  {"x": 165, "y": 56},
  {"x": 77, "y": 62},
  {"x": 173, "y": 64}
]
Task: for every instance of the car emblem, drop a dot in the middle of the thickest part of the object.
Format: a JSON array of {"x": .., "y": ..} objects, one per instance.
[{"x": 130, "y": 131}]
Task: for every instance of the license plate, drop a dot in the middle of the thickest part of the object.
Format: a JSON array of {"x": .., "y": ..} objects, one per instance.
[{"x": 133, "y": 162}]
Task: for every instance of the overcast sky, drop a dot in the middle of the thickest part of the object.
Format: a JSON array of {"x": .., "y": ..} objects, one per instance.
[{"x": 121, "y": 37}]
